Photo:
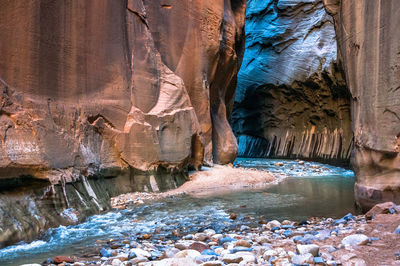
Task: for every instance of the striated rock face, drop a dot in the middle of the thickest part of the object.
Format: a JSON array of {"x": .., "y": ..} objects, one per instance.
[
  {"x": 368, "y": 34},
  {"x": 104, "y": 88},
  {"x": 292, "y": 99}
]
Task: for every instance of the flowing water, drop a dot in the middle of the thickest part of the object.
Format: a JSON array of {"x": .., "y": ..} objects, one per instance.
[{"x": 311, "y": 189}]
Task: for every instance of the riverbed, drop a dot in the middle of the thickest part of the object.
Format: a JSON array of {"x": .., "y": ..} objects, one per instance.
[{"x": 309, "y": 189}]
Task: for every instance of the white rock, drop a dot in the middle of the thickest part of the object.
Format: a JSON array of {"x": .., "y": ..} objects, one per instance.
[
  {"x": 116, "y": 262},
  {"x": 187, "y": 253},
  {"x": 304, "y": 249},
  {"x": 170, "y": 252},
  {"x": 291, "y": 254},
  {"x": 272, "y": 224},
  {"x": 140, "y": 252},
  {"x": 354, "y": 240},
  {"x": 232, "y": 258},
  {"x": 216, "y": 237},
  {"x": 269, "y": 253},
  {"x": 247, "y": 256},
  {"x": 303, "y": 259},
  {"x": 209, "y": 232},
  {"x": 263, "y": 239}
]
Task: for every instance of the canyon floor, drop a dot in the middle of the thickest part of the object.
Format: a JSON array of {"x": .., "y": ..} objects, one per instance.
[{"x": 259, "y": 222}]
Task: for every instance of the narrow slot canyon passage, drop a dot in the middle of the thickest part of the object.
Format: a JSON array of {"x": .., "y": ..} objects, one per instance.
[
  {"x": 208, "y": 132},
  {"x": 291, "y": 99}
]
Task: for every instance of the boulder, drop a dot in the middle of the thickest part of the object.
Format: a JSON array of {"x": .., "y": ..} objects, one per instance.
[
  {"x": 355, "y": 240},
  {"x": 381, "y": 208}
]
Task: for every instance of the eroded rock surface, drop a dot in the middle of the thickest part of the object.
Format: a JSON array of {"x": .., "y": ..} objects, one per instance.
[
  {"x": 100, "y": 88},
  {"x": 292, "y": 99},
  {"x": 368, "y": 34}
]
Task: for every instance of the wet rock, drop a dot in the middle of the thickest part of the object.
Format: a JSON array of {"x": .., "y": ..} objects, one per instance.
[
  {"x": 304, "y": 249},
  {"x": 232, "y": 258},
  {"x": 198, "y": 246},
  {"x": 272, "y": 224},
  {"x": 306, "y": 258},
  {"x": 187, "y": 253},
  {"x": 105, "y": 253},
  {"x": 345, "y": 219},
  {"x": 61, "y": 259},
  {"x": 233, "y": 216},
  {"x": 146, "y": 236},
  {"x": 357, "y": 239}
]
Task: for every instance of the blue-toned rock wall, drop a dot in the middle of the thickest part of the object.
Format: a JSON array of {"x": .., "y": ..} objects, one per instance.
[{"x": 291, "y": 98}]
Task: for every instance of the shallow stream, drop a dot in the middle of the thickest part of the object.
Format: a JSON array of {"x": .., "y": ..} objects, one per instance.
[{"x": 311, "y": 189}]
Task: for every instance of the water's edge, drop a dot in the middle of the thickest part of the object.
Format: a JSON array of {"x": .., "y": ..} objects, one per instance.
[{"x": 27, "y": 211}]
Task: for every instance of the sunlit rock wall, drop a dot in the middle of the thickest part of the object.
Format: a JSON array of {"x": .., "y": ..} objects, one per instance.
[
  {"x": 368, "y": 34},
  {"x": 291, "y": 98},
  {"x": 107, "y": 88}
]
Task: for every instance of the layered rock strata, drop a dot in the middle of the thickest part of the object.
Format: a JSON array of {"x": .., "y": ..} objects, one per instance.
[
  {"x": 291, "y": 99},
  {"x": 100, "y": 88},
  {"x": 368, "y": 34}
]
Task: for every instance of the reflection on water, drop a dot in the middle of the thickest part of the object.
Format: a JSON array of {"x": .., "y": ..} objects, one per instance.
[{"x": 310, "y": 190}]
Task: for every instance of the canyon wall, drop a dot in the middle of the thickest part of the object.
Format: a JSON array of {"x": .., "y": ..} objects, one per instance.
[
  {"x": 291, "y": 99},
  {"x": 105, "y": 88},
  {"x": 368, "y": 34}
]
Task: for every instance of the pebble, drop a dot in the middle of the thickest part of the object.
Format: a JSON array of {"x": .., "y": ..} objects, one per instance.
[
  {"x": 200, "y": 237},
  {"x": 198, "y": 246},
  {"x": 243, "y": 243},
  {"x": 140, "y": 252},
  {"x": 191, "y": 253},
  {"x": 232, "y": 258}
]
